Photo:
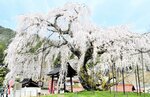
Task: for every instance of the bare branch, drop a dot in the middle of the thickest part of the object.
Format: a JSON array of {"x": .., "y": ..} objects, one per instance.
[
  {"x": 76, "y": 11},
  {"x": 57, "y": 16},
  {"x": 69, "y": 27},
  {"x": 37, "y": 24}
]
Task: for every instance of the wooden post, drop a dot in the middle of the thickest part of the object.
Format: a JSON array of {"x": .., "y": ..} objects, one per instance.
[
  {"x": 138, "y": 79},
  {"x": 52, "y": 84},
  {"x": 123, "y": 81},
  {"x": 71, "y": 84},
  {"x": 109, "y": 77},
  {"x": 64, "y": 84},
  {"x": 143, "y": 72},
  {"x": 113, "y": 76},
  {"x": 59, "y": 85},
  {"x": 113, "y": 79},
  {"x": 116, "y": 81},
  {"x": 116, "y": 75}
]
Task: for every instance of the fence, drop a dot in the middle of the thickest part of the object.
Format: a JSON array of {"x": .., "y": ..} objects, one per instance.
[{"x": 25, "y": 92}]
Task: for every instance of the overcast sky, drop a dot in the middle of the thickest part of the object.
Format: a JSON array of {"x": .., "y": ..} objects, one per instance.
[{"x": 105, "y": 13}]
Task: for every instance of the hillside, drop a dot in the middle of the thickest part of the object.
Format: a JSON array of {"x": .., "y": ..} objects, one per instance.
[
  {"x": 5, "y": 38},
  {"x": 6, "y": 35}
]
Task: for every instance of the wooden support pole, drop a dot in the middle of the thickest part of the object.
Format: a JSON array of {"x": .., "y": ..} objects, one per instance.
[
  {"x": 143, "y": 72},
  {"x": 113, "y": 79},
  {"x": 71, "y": 84},
  {"x": 138, "y": 79},
  {"x": 59, "y": 85},
  {"x": 109, "y": 77},
  {"x": 113, "y": 76},
  {"x": 123, "y": 81},
  {"x": 52, "y": 85},
  {"x": 116, "y": 75},
  {"x": 64, "y": 84},
  {"x": 113, "y": 66}
]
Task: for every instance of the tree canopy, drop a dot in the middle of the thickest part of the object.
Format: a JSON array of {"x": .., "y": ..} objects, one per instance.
[{"x": 68, "y": 31}]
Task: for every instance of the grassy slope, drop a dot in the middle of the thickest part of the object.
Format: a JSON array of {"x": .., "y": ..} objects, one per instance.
[{"x": 97, "y": 94}]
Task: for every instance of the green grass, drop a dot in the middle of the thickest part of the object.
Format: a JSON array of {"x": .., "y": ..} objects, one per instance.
[{"x": 97, "y": 94}]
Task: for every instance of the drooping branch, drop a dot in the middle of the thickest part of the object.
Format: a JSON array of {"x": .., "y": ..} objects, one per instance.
[{"x": 76, "y": 52}]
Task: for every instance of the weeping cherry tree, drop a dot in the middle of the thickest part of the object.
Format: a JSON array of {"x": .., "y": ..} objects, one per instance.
[{"x": 66, "y": 35}]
